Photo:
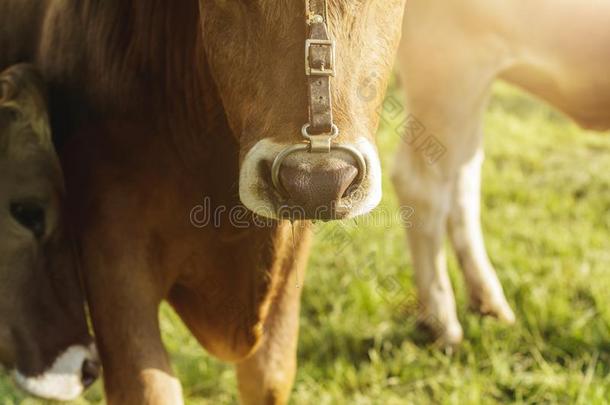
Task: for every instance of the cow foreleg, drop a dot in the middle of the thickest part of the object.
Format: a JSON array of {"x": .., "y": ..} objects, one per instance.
[
  {"x": 124, "y": 304},
  {"x": 267, "y": 376},
  {"x": 486, "y": 294}
]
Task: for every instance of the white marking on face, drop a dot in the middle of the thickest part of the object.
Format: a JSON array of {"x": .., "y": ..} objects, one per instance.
[
  {"x": 258, "y": 195},
  {"x": 63, "y": 380}
]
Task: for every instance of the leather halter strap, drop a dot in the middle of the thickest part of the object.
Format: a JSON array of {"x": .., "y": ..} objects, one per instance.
[
  {"x": 320, "y": 132},
  {"x": 319, "y": 68}
]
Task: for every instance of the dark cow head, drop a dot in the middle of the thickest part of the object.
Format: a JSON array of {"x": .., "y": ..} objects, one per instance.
[
  {"x": 256, "y": 50},
  {"x": 43, "y": 330}
]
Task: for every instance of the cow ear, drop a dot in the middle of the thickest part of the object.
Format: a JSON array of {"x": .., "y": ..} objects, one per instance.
[
  {"x": 8, "y": 89},
  {"x": 7, "y": 117},
  {"x": 21, "y": 137},
  {"x": 24, "y": 125}
]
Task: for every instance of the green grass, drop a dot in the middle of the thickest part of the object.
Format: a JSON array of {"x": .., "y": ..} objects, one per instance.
[{"x": 547, "y": 222}]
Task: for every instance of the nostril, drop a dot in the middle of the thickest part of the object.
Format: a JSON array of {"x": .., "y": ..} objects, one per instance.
[
  {"x": 89, "y": 373},
  {"x": 348, "y": 180}
]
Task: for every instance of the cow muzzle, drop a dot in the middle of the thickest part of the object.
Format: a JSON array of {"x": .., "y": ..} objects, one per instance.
[
  {"x": 319, "y": 190},
  {"x": 312, "y": 180},
  {"x": 72, "y": 372}
]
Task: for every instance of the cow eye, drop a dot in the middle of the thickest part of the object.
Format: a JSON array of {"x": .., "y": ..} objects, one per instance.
[{"x": 30, "y": 215}]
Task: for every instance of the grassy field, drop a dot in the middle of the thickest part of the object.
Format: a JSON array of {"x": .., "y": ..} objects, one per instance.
[{"x": 547, "y": 221}]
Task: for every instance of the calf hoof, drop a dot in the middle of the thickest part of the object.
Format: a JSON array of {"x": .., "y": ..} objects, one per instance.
[
  {"x": 444, "y": 335},
  {"x": 452, "y": 336},
  {"x": 497, "y": 308}
]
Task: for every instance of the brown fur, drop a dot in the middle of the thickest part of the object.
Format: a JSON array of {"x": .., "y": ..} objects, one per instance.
[{"x": 160, "y": 103}]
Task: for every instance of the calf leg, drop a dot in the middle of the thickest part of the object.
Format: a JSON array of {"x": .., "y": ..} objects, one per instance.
[
  {"x": 447, "y": 94},
  {"x": 486, "y": 294},
  {"x": 429, "y": 196}
]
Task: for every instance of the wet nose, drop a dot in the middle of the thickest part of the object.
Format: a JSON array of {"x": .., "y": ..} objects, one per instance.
[
  {"x": 318, "y": 189},
  {"x": 89, "y": 372}
]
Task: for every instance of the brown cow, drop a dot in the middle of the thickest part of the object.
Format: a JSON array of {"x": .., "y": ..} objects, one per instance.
[
  {"x": 450, "y": 55},
  {"x": 165, "y": 105},
  {"x": 43, "y": 331}
]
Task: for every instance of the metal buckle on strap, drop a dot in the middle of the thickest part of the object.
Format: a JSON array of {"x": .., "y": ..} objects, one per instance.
[
  {"x": 319, "y": 143},
  {"x": 324, "y": 71}
]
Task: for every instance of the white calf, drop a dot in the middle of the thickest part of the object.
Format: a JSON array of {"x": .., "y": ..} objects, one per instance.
[{"x": 451, "y": 53}]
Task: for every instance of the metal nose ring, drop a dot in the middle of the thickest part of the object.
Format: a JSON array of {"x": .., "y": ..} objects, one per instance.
[{"x": 316, "y": 144}]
